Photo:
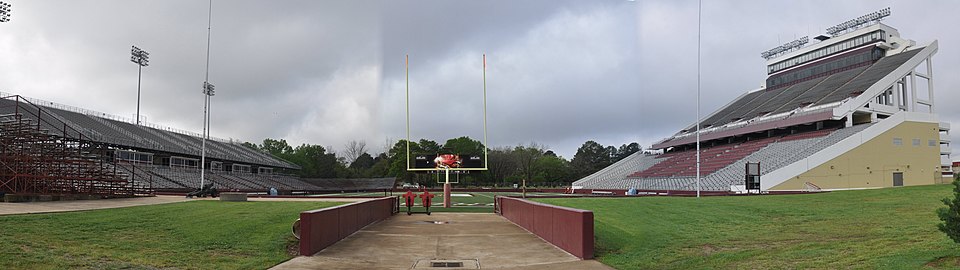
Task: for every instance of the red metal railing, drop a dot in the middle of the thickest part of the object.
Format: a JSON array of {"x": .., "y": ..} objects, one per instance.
[{"x": 39, "y": 154}]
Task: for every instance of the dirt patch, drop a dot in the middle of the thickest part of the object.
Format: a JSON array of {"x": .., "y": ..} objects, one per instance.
[
  {"x": 708, "y": 249},
  {"x": 949, "y": 262},
  {"x": 293, "y": 248}
]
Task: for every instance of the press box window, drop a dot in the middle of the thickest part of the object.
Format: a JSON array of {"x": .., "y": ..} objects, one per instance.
[
  {"x": 916, "y": 142},
  {"x": 897, "y": 141}
]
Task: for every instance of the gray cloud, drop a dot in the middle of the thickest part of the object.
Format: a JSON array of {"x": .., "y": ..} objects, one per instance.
[
  {"x": 565, "y": 77},
  {"x": 282, "y": 68},
  {"x": 735, "y": 32},
  {"x": 326, "y": 72}
]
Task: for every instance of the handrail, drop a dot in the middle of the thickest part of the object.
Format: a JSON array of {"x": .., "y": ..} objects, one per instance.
[
  {"x": 35, "y": 101},
  {"x": 40, "y": 118}
]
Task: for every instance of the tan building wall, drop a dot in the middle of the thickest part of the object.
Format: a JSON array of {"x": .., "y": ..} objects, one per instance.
[{"x": 872, "y": 164}]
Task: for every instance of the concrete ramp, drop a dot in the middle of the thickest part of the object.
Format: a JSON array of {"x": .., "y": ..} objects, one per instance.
[{"x": 441, "y": 241}]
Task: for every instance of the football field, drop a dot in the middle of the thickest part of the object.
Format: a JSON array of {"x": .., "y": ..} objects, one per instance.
[{"x": 462, "y": 201}]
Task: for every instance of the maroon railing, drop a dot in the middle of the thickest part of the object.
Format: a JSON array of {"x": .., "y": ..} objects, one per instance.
[
  {"x": 567, "y": 228},
  {"x": 323, "y": 227}
]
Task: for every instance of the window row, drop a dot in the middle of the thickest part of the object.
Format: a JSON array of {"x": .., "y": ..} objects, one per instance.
[
  {"x": 828, "y": 67},
  {"x": 817, "y": 54},
  {"x": 132, "y": 156},
  {"x": 915, "y": 142}
]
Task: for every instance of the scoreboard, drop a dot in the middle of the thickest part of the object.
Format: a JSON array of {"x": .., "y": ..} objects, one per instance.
[{"x": 441, "y": 161}]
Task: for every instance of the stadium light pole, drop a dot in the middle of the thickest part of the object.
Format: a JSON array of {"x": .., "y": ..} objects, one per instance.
[
  {"x": 4, "y": 12},
  {"x": 699, "y": 7},
  {"x": 207, "y": 93},
  {"x": 142, "y": 59}
]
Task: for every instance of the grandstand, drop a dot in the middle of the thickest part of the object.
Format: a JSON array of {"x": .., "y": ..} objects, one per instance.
[
  {"x": 854, "y": 110},
  {"x": 50, "y": 148}
]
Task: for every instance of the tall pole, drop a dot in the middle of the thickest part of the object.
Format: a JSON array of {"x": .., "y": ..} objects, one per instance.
[
  {"x": 407, "y": 68},
  {"x": 485, "y": 145},
  {"x": 447, "y": 188},
  {"x": 139, "y": 74},
  {"x": 699, "y": 7},
  {"x": 142, "y": 59},
  {"x": 207, "y": 92}
]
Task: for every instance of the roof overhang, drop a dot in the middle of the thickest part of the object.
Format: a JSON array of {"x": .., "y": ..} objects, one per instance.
[{"x": 786, "y": 122}]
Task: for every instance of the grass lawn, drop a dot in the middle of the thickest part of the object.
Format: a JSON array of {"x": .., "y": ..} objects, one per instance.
[
  {"x": 477, "y": 202},
  {"x": 892, "y": 228},
  {"x": 190, "y": 235}
]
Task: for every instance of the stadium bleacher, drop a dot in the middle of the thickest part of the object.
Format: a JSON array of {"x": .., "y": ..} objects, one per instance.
[
  {"x": 812, "y": 106},
  {"x": 775, "y": 153},
  {"x": 102, "y": 127},
  {"x": 813, "y": 92},
  {"x": 160, "y": 141}
]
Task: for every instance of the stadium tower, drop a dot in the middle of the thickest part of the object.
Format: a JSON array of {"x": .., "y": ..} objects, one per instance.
[{"x": 855, "y": 109}]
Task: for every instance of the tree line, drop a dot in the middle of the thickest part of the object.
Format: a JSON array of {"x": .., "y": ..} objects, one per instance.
[{"x": 533, "y": 162}]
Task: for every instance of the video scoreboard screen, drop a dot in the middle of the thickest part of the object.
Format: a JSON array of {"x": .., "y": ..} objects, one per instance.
[{"x": 443, "y": 161}]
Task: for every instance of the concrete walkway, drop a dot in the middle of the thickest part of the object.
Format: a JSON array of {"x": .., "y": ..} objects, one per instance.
[
  {"x": 81, "y": 205},
  {"x": 484, "y": 241}
]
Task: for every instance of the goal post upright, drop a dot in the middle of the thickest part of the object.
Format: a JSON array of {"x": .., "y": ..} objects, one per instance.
[
  {"x": 407, "y": 67},
  {"x": 485, "y": 146},
  {"x": 446, "y": 185}
]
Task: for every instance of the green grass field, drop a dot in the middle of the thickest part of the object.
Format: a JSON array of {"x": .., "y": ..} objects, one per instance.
[
  {"x": 190, "y": 235},
  {"x": 893, "y": 228},
  {"x": 477, "y": 202}
]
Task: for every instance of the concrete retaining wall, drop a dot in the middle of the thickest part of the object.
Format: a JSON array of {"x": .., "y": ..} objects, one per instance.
[
  {"x": 233, "y": 196},
  {"x": 567, "y": 228},
  {"x": 324, "y": 227}
]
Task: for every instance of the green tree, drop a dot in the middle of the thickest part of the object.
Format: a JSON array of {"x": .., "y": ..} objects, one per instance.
[
  {"x": 277, "y": 148},
  {"x": 950, "y": 215},
  {"x": 552, "y": 169},
  {"x": 426, "y": 147},
  {"x": 526, "y": 157},
  {"x": 380, "y": 168},
  {"x": 398, "y": 156},
  {"x": 314, "y": 161},
  {"x": 590, "y": 157},
  {"x": 501, "y": 165},
  {"x": 612, "y": 155},
  {"x": 251, "y": 145},
  {"x": 328, "y": 166},
  {"x": 626, "y": 150},
  {"x": 464, "y": 146},
  {"x": 364, "y": 161}
]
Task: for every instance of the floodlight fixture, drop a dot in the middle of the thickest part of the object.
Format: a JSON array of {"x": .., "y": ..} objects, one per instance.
[
  {"x": 208, "y": 92},
  {"x": 786, "y": 47},
  {"x": 4, "y": 12},
  {"x": 142, "y": 59},
  {"x": 208, "y": 89},
  {"x": 867, "y": 19}
]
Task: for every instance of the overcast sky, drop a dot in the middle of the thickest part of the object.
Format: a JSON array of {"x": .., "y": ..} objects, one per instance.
[{"x": 327, "y": 72}]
